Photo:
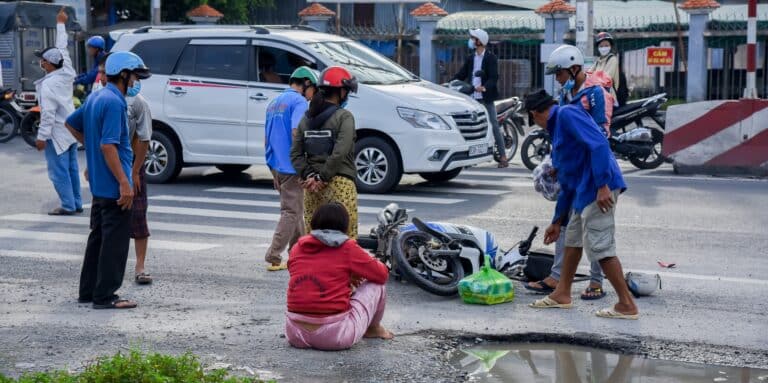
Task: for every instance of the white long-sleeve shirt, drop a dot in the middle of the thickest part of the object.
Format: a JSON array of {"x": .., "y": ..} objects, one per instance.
[{"x": 54, "y": 94}]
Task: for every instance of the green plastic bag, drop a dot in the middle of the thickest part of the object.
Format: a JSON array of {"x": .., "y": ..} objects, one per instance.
[{"x": 487, "y": 286}]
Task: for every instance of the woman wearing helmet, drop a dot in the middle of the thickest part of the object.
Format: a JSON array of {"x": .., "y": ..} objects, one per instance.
[
  {"x": 96, "y": 49},
  {"x": 102, "y": 124},
  {"x": 608, "y": 62},
  {"x": 283, "y": 116},
  {"x": 323, "y": 147}
]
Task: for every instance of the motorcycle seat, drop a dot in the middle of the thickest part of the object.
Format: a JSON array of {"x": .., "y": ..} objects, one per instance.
[
  {"x": 504, "y": 105},
  {"x": 631, "y": 107}
]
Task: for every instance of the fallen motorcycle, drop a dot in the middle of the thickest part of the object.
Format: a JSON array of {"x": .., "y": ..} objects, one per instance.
[
  {"x": 641, "y": 145},
  {"x": 436, "y": 256}
]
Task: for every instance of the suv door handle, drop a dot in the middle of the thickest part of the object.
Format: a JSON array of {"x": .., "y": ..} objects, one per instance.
[
  {"x": 177, "y": 91},
  {"x": 259, "y": 97}
]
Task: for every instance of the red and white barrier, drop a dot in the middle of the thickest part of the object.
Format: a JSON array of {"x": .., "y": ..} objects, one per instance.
[
  {"x": 718, "y": 137},
  {"x": 751, "y": 90}
]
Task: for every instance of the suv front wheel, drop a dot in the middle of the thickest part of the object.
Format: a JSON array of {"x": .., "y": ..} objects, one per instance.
[
  {"x": 162, "y": 161},
  {"x": 377, "y": 166}
]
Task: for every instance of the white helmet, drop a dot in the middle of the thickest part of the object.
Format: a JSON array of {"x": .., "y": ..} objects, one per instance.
[
  {"x": 564, "y": 57},
  {"x": 480, "y": 35}
]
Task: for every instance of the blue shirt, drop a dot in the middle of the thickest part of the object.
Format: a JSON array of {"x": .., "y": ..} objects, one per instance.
[
  {"x": 88, "y": 78},
  {"x": 283, "y": 115},
  {"x": 595, "y": 99},
  {"x": 583, "y": 159},
  {"x": 103, "y": 120}
]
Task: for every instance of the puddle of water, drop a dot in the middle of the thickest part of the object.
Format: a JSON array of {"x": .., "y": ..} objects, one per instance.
[{"x": 548, "y": 363}]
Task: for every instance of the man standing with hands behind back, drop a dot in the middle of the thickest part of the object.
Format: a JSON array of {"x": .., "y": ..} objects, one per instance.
[
  {"x": 103, "y": 123},
  {"x": 54, "y": 92},
  {"x": 482, "y": 71}
]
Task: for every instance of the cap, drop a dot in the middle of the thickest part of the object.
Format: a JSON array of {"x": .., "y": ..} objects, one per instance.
[
  {"x": 536, "y": 100},
  {"x": 52, "y": 55}
]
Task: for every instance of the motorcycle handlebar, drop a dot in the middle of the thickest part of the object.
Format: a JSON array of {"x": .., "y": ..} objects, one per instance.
[{"x": 533, "y": 234}]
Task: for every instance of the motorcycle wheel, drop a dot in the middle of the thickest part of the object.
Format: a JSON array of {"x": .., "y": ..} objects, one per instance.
[
  {"x": 411, "y": 266},
  {"x": 534, "y": 149},
  {"x": 655, "y": 159},
  {"x": 511, "y": 141},
  {"x": 9, "y": 124},
  {"x": 29, "y": 125}
]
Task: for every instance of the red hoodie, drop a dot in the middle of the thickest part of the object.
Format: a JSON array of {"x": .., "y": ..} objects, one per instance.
[{"x": 321, "y": 265}]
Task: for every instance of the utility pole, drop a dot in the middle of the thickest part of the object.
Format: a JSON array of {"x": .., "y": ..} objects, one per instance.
[{"x": 156, "y": 12}]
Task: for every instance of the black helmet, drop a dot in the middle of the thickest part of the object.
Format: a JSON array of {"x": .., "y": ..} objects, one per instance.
[{"x": 603, "y": 36}]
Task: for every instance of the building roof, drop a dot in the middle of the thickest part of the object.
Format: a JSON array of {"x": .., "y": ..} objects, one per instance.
[
  {"x": 608, "y": 15},
  {"x": 556, "y": 6},
  {"x": 428, "y": 9},
  {"x": 700, "y": 4},
  {"x": 316, "y": 9},
  {"x": 204, "y": 10}
]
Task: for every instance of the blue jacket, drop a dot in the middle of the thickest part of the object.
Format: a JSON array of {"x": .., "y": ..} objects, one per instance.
[
  {"x": 283, "y": 116},
  {"x": 583, "y": 159},
  {"x": 88, "y": 78},
  {"x": 592, "y": 99}
]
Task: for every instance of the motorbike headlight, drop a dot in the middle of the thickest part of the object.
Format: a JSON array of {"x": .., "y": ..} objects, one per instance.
[{"x": 423, "y": 120}]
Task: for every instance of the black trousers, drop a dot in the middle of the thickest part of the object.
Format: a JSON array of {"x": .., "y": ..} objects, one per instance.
[{"x": 107, "y": 251}]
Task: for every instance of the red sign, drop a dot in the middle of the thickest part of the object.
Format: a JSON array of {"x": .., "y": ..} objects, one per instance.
[{"x": 660, "y": 56}]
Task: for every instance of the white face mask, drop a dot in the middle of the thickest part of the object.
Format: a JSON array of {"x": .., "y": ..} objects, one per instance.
[{"x": 604, "y": 51}]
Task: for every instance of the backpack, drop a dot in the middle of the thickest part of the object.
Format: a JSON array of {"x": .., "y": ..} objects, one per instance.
[{"x": 600, "y": 79}]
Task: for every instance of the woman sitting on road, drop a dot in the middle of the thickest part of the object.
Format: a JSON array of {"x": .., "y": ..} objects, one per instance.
[
  {"x": 324, "y": 145},
  {"x": 336, "y": 293}
]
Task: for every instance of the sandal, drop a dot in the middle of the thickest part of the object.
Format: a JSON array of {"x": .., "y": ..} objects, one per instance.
[
  {"x": 540, "y": 287},
  {"x": 143, "y": 279},
  {"x": 611, "y": 313},
  {"x": 503, "y": 164},
  {"x": 116, "y": 304},
  {"x": 549, "y": 303},
  {"x": 279, "y": 267},
  {"x": 593, "y": 294},
  {"x": 61, "y": 211}
]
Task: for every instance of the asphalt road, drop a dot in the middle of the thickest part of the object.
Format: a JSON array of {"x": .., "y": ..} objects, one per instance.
[{"x": 213, "y": 296}]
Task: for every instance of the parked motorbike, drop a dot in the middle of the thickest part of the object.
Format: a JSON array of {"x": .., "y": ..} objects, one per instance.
[
  {"x": 10, "y": 113},
  {"x": 436, "y": 256},
  {"x": 641, "y": 144},
  {"x": 29, "y": 125},
  {"x": 507, "y": 115}
]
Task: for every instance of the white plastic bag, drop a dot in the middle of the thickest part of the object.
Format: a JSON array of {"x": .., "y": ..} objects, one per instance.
[{"x": 544, "y": 182}]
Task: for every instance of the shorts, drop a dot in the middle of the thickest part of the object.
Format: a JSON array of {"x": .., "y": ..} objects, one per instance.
[
  {"x": 593, "y": 230},
  {"x": 139, "y": 228}
]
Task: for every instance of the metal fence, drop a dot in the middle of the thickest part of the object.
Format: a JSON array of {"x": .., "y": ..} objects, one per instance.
[{"x": 521, "y": 70}]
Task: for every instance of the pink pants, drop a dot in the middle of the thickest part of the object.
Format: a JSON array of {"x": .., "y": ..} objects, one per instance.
[{"x": 339, "y": 331}]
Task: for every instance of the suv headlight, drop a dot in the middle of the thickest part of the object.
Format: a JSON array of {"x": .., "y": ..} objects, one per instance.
[{"x": 423, "y": 120}]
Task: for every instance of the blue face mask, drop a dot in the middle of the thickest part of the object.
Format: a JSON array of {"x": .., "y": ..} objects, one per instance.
[
  {"x": 568, "y": 86},
  {"x": 134, "y": 90},
  {"x": 471, "y": 44}
]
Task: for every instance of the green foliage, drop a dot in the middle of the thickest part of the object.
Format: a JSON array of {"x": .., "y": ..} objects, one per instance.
[{"x": 137, "y": 367}]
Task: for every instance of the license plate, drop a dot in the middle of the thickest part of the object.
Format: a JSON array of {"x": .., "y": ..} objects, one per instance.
[{"x": 477, "y": 150}]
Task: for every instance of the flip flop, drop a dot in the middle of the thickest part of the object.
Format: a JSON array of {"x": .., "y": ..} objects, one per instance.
[
  {"x": 549, "y": 303},
  {"x": 610, "y": 313},
  {"x": 279, "y": 267},
  {"x": 143, "y": 279},
  {"x": 60, "y": 211},
  {"x": 542, "y": 288},
  {"x": 115, "y": 305},
  {"x": 592, "y": 290}
]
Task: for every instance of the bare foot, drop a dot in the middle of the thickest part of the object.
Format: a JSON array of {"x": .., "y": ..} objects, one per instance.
[{"x": 378, "y": 331}]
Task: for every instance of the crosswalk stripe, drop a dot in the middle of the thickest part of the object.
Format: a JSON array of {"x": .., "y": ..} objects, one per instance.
[
  {"x": 464, "y": 190},
  {"x": 502, "y": 182},
  {"x": 160, "y": 226},
  {"x": 499, "y": 174},
  {"x": 41, "y": 255},
  {"x": 363, "y": 197},
  {"x": 79, "y": 238},
  {"x": 211, "y": 213},
  {"x": 240, "y": 202}
]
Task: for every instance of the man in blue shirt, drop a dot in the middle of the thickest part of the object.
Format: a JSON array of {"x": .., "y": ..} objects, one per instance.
[
  {"x": 102, "y": 124},
  {"x": 96, "y": 49},
  {"x": 590, "y": 181},
  {"x": 283, "y": 116}
]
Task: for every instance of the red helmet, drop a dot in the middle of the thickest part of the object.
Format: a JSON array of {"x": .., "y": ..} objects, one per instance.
[{"x": 338, "y": 77}]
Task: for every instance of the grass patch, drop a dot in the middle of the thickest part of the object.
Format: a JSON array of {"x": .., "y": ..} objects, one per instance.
[{"x": 137, "y": 367}]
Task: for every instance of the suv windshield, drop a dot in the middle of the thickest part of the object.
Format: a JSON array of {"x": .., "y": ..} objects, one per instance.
[{"x": 368, "y": 66}]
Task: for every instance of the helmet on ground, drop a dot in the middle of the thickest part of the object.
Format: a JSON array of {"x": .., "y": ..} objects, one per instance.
[
  {"x": 564, "y": 57},
  {"x": 480, "y": 35},
  {"x": 96, "y": 42},
  {"x": 338, "y": 77},
  {"x": 305, "y": 73},
  {"x": 602, "y": 36},
  {"x": 120, "y": 61}
]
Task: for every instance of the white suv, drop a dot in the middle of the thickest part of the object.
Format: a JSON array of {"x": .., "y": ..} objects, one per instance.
[{"x": 211, "y": 86}]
